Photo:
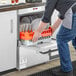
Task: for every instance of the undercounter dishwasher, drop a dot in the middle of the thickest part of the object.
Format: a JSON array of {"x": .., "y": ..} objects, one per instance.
[{"x": 30, "y": 54}]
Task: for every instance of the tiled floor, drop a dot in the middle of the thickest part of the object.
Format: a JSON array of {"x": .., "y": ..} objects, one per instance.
[{"x": 41, "y": 67}]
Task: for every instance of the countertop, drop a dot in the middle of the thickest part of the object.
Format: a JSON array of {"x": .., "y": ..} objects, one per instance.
[{"x": 19, "y": 6}]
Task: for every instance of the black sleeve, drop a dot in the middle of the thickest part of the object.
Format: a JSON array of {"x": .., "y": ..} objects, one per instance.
[
  {"x": 49, "y": 8},
  {"x": 61, "y": 16}
]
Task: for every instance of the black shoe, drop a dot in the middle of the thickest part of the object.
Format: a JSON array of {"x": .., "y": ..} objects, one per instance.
[{"x": 59, "y": 72}]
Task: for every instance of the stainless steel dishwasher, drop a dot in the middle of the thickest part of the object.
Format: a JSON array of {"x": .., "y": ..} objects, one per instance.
[{"x": 29, "y": 53}]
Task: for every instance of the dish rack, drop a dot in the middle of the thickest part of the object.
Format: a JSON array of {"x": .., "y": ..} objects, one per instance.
[{"x": 28, "y": 35}]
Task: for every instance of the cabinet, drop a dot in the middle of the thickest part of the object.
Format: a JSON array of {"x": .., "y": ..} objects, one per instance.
[{"x": 8, "y": 40}]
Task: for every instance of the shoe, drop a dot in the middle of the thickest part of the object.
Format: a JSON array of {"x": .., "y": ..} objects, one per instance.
[{"x": 59, "y": 72}]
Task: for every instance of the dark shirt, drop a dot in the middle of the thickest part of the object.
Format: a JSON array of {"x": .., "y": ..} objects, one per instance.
[{"x": 60, "y": 5}]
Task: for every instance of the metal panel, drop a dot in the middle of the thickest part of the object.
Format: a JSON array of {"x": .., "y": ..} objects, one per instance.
[
  {"x": 8, "y": 40},
  {"x": 31, "y": 56},
  {"x": 31, "y": 10}
]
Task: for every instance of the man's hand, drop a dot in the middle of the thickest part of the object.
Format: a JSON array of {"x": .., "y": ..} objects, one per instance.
[
  {"x": 36, "y": 36},
  {"x": 37, "y": 33}
]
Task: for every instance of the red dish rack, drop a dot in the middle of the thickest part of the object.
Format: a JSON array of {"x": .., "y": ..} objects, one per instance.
[{"x": 29, "y": 35}]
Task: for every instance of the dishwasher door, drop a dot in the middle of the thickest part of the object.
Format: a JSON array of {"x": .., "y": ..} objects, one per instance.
[
  {"x": 28, "y": 56},
  {"x": 34, "y": 55}
]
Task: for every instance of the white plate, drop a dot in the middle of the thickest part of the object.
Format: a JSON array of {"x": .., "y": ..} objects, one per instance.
[{"x": 35, "y": 23}]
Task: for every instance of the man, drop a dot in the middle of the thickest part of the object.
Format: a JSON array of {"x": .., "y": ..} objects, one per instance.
[{"x": 67, "y": 32}]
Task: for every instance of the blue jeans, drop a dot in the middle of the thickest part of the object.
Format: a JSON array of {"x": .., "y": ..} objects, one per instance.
[{"x": 63, "y": 37}]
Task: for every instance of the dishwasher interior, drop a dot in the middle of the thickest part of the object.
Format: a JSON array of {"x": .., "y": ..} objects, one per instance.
[{"x": 42, "y": 51}]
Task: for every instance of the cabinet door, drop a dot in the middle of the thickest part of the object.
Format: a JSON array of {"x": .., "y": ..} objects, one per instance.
[{"x": 8, "y": 40}]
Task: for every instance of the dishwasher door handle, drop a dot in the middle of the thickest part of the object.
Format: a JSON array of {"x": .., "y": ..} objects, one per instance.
[
  {"x": 11, "y": 25},
  {"x": 48, "y": 51}
]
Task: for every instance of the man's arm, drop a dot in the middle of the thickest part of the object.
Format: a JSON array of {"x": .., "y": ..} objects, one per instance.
[
  {"x": 49, "y": 8},
  {"x": 56, "y": 25}
]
